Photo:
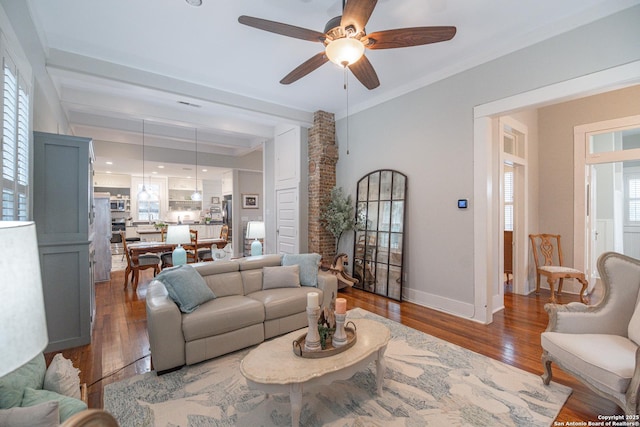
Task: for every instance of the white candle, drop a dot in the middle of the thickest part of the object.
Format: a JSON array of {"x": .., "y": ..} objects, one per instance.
[
  {"x": 341, "y": 306},
  {"x": 312, "y": 299}
]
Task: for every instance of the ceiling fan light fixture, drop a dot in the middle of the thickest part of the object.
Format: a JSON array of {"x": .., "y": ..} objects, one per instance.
[{"x": 344, "y": 51}]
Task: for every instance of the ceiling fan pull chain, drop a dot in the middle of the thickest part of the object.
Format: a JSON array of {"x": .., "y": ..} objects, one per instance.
[{"x": 346, "y": 88}]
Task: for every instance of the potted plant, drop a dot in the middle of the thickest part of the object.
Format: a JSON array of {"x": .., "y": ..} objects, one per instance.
[{"x": 337, "y": 215}]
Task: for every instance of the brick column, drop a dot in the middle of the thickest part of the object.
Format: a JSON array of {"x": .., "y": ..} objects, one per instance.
[{"x": 323, "y": 156}]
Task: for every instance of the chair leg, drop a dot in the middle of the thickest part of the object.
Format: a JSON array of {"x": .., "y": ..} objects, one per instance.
[
  {"x": 136, "y": 274},
  {"x": 537, "y": 284},
  {"x": 560, "y": 285},
  {"x": 126, "y": 276},
  {"x": 546, "y": 364},
  {"x": 551, "y": 282},
  {"x": 583, "y": 296}
]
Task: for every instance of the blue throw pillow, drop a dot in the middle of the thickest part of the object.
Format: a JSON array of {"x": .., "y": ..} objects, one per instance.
[
  {"x": 186, "y": 287},
  {"x": 13, "y": 384},
  {"x": 308, "y": 263}
]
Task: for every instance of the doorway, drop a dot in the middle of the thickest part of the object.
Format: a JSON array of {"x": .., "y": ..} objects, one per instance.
[
  {"x": 487, "y": 172},
  {"x": 513, "y": 195},
  {"x": 608, "y": 154}
]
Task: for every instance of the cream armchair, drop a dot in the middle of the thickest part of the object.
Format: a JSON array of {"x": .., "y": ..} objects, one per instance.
[{"x": 599, "y": 344}]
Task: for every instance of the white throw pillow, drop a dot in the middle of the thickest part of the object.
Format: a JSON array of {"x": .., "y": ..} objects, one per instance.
[
  {"x": 62, "y": 377},
  {"x": 43, "y": 415},
  {"x": 634, "y": 324},
  {"x": 281, "y": 277}
]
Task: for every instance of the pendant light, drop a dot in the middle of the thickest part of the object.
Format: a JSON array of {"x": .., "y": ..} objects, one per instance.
[
  {"x": 196, "y": 196},
  {"x": 143, "y": 195}
]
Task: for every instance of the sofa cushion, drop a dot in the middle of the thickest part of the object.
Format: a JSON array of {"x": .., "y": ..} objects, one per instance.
[
  {"x": 225, "y": 284},
  {"x": 186, "y": 287},
  {"x": 13, "y": 384},
  {"x": 281, "y": 277},
  {"x": 62, "y": 377},
  {"x": 284, "y": 302},
  {"x": 43, "y": 415},
  {"x": 309, "y": 264},
  {"x": 222, "y": 315},
  {"x": 68, "y": 406},
  {"x": 612, "y": 368}
]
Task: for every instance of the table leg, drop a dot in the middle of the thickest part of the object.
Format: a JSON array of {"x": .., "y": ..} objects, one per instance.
[
  {"x": 295, "y": 396},
  {"x": 380, "y": 370}
]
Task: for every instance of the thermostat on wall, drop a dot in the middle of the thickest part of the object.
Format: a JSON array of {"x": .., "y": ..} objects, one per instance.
[{"x": 463, "y": 203}]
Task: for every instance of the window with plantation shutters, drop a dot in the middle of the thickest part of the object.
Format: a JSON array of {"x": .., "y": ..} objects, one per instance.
[
  {"x": 15, "y": 143},
  {"x": 508, "y": 201}
]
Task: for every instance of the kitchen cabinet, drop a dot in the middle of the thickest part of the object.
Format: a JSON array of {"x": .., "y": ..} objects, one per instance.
[
  {"x": 180, "y": 200},
  {"x": 180, "y": 191},
  {"x": 112, "y": 180},
  {"x": 64, "y": 217}
]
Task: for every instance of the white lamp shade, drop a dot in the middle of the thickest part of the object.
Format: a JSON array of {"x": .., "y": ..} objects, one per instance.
[
  {"x": 178, "y": 234},
  {"x": 255, "y": 230},
  {"x": 344, "y": 51},
  {"x": 23, "y": 323}
]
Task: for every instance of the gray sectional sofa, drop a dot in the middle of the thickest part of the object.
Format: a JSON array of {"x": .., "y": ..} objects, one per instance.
[{"x": 255, "y": 299}]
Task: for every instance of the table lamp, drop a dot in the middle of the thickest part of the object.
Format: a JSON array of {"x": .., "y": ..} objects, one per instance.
[
  {"x": 178, "y": 235},
  {"x": 23, "y": 323},
  {"x": 255, "y": 230}
]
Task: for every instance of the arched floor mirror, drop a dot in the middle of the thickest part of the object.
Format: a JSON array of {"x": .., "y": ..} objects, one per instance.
[{"x": 378, "y": 246}]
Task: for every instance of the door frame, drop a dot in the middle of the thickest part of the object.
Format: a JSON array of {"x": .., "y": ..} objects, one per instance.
[
  {"x": 583, "y": 227},
  {"x": 486, "y": 172}
]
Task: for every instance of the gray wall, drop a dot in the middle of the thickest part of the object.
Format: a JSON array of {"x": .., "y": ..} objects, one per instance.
[{"x": 428, "y": 135}]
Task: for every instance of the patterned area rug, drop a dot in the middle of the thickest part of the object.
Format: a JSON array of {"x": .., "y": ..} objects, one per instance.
[{"x": 428, "y": 382}]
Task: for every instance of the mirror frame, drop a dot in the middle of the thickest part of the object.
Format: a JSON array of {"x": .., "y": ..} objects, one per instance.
[{"x": 378, "y": 248}]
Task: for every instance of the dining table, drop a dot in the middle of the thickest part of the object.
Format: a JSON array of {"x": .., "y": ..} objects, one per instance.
[{"x": 138, "y": 248}]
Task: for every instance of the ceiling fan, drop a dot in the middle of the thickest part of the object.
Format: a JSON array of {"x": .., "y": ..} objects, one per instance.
[{"x": 345, "y": 40}]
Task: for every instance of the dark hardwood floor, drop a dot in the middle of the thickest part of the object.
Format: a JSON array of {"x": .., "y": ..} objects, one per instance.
[{"x": 120, "y": 345}]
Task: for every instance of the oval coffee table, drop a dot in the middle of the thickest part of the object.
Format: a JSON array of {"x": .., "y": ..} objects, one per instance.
[{"x": 273, "y": 367}]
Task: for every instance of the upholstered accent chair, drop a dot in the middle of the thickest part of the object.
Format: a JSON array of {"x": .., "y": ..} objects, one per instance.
[{"x": 599, "y": 344}]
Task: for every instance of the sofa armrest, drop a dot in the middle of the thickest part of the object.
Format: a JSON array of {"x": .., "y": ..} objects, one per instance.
[
  {"x": 164, "y": 323},
  {"x": 578, "y": 318},
  {"x": 328, "y": 284}
]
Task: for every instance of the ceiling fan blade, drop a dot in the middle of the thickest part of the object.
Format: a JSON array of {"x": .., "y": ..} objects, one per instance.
[
  {"x": 305, "y": 68},
  {"x": 363, "y": 70},
  {"x": 357, "y": 13},
  {"x": 405, "y": 37},
  {"x": 283, "y": 29}
]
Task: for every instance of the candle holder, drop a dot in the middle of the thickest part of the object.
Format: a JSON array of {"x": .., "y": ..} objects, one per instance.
[
  {"x": 339, "y": 336},
  {"x": 312, "y": 342}
]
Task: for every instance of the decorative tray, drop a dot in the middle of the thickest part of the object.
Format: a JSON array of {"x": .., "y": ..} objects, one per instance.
[{"x": 329, "y": 350}]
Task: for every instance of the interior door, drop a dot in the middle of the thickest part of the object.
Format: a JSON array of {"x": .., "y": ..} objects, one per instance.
[{"x": 287, "y": 221}]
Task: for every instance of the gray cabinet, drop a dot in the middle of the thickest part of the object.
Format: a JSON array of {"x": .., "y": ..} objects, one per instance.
[{"x": 63, "y": 213}]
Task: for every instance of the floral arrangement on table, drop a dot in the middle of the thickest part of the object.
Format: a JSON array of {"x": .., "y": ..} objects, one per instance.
[{"x": 326, "y": 326}]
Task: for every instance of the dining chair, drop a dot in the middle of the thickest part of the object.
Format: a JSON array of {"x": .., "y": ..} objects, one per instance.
[
  {"x": 191, "y": 248},
  {"x": 547, "y": 254},
  {"x": 145, "y": 261}
]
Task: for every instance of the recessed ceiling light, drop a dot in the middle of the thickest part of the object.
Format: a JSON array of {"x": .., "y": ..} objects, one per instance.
[
  {"x": 160, "y": 167},
  {"x": 154, "y": 172},
  {"x": 109, "y": 163},
  {"x": 195, "y": 2},
  {"x": 108, "y": 171},
  {"x": 204, "y": 170}
]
